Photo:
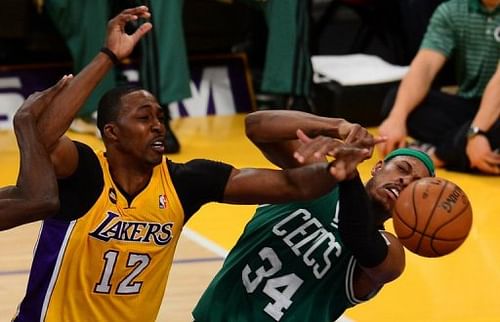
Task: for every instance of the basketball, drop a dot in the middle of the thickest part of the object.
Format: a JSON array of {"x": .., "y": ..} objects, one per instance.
[{"x": 432, "y": 217}]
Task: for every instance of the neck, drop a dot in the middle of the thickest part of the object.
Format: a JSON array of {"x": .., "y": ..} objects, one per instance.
[{"x": 130, "y": 177}]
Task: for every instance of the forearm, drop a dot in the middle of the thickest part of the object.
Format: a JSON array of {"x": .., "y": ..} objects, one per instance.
[
  {"x": 489, "y": 109},
  {"x": 411, "y": 92},
  {"x": 416, "y": 84},
  {"x": 258, "y": 186},
  {"x": 357, "y": 224},
  {"x": 23, "y": 210},
  {"x": 55, "y": 121},
  {"x": 35, "y": 195},
  {"x": 280, "y": 125},
  {"x": 36, "y": 178}
]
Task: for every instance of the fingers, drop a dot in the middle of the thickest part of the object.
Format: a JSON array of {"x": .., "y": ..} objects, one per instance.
[
  {"x": 303, "y": 137},
  {"x": 131, "y": 14},
  {"x": 38, "y": 101},
  {"x": 337, "y": 170},
  {"x": 351, "y": 152},
  {"x": 117, "y": 40},
  {"x": 142, "y": 11},
  {"x": 356, "y": 133},
  {"x": 141, "y": 31},
  {"x": 490, "y": 164},
  {"x": 388, "y": 145},
  {"x": 487, "y": 168},
  {"x": 346, "y": 161},
  {"x": 316, "y": 149}
]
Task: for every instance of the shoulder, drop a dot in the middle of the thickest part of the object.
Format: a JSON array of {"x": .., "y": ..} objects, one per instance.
[
  {"x": 452, "y": 10},
  {"x": 78, "y": 192},
  {"x": 198, "y": 181},
  {"x": 197, "y": 167}
]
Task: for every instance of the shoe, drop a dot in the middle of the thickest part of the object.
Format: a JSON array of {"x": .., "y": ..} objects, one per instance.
[
  {"x": 429, "y": 149},
  {"x": 171, "y": 143},
  {"x": 421, "y": 146}
]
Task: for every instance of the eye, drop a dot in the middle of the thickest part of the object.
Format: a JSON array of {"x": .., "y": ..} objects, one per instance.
[{"x": 403, "y": 168}]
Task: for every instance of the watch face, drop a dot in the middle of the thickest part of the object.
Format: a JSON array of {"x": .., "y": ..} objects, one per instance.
[{"x": 472, "y": 131}]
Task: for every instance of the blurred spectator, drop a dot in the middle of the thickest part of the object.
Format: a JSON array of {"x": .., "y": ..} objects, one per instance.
[
  {"x": 84, "y": 37},
  {"x": 460, "y": 132}
]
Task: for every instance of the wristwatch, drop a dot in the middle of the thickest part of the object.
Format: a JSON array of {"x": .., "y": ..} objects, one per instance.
[{"x": 473, "y": 131}]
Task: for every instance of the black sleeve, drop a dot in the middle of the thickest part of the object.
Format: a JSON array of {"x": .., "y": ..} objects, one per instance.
[
  {"x": 357, "y": 224},
  {"x": 79, "y": 192},
  {"x": 199, "y": 181}
]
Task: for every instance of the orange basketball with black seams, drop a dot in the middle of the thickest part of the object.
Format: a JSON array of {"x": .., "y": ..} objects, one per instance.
[{"x": 432, "y": 217}]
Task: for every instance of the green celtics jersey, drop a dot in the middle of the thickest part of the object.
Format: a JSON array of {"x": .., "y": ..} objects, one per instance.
[{"x": 289, "y": 265}]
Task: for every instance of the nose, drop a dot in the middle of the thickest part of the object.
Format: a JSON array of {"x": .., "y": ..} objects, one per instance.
[
  {"x": 158, "y": 125},
  {"x": 406, "y": 180}
]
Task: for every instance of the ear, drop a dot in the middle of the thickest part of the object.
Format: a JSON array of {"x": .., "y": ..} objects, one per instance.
[
  {"x": 377, "y": 167},
  {"x": 110, "y": 132}
]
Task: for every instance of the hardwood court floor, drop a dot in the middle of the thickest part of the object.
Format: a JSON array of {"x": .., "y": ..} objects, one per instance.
[{"x": 462, "y": 286}]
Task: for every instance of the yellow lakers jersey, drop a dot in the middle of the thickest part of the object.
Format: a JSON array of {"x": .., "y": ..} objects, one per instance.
[{"x": 111, "y": 264}]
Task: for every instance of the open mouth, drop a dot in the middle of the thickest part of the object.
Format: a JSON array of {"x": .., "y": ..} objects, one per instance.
[
  {"x": 158, "y": 145},
  {"x": 392, "y": 192}
]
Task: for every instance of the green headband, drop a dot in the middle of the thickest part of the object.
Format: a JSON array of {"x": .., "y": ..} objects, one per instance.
[{"x": 422, "y": 156}]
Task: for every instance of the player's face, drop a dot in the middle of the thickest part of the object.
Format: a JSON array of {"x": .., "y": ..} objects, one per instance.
[
  {"x": 140, "y": 128},
  {"x": 390, "y": 178}
]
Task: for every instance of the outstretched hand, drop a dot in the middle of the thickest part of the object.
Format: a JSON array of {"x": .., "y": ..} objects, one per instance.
[
  {"x": 347, "y": 157},
  {"x": 318, "y": 148},
  {"x": 117, "y": 40},
  {"x": 353, "y": 133},
  {"x": 36, "y": 103},
  {"x": 315, "y": 149},
  {"x": 396, "y": 133}
]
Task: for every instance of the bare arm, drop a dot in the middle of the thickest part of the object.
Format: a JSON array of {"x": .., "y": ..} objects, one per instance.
[
  {"x": 275, "y": 134},
  {"x": 489, "y": 110},
  {"x": 413, "y": 89},
  {"x": 56, "y": 121},
  {"x": 35, "y": 195},
  {"x": 253, "y": 186},
  {"x": 478, "y": 148}
]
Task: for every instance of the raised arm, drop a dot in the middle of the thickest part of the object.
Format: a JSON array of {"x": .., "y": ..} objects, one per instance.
[
  {"x": 275, "y": 134},
  {"x": 35, "y": 195},
  {"x": 56, "y": 121}
]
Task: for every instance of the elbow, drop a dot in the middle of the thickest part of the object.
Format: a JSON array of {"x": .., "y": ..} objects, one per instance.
[
  {"x": 21, "y": 118},
  {"x": 48, "y": 206}
]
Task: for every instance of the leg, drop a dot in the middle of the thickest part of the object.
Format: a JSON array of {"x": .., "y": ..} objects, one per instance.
[{"x": 442, "y": 121}]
